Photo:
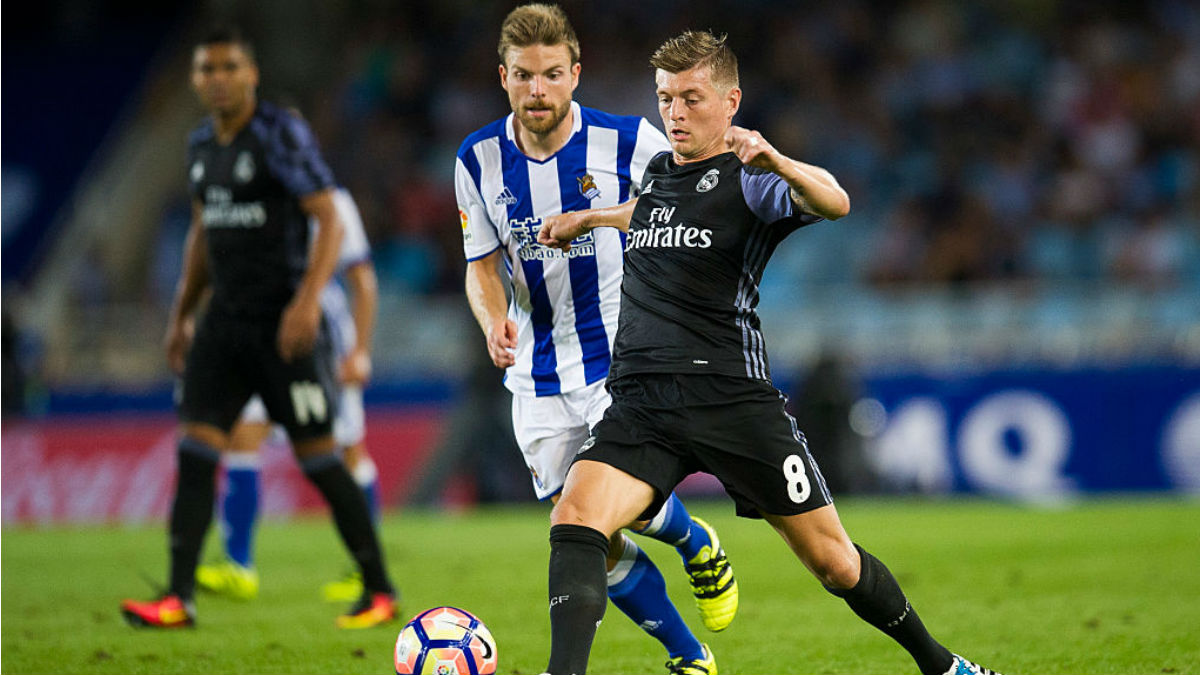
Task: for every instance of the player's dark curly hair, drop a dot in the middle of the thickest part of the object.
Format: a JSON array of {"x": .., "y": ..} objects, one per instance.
[
  {"x": 227, "y": 34},
  {"x": 699, "y": 48}
]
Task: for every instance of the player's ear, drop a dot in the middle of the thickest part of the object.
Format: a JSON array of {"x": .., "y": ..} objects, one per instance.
[
  {"x": 503, "y": 77},
  {"x": 575, "y": 69},
  {"x": 733, "y": 101}
]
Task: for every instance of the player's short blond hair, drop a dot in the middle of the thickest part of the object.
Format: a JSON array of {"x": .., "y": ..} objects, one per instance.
[
  {"x": 699, "y": 48},
  {"x": 537, "y": 24}
]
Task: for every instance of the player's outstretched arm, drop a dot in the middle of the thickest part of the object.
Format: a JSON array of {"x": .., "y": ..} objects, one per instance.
[
  {"x": 193, "y": 281},
  {"x": 485, "y": 294},
  {"x": 301, "y": 319},
  {"x": 559, "y": 231},
  {"x": 814, "y": 189},
  {"x": 364, "y": 303}
]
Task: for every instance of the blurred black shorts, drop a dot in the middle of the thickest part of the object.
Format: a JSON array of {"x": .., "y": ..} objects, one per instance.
[{"x": 231, "y": 359}]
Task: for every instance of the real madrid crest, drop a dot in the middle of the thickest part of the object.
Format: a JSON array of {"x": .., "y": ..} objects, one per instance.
[
  {"x": 709, "y": 180},
  {"x": 243, "y": 168},
  {"x": 587, "y": 186},
  {"x": 197, "y": 171}
]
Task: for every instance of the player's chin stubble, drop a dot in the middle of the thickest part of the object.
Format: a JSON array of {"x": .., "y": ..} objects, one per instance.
[{"x": 547, "y": 124}]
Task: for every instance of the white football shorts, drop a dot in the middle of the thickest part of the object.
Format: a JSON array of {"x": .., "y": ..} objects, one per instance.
[{"x": 551, "y": 429}]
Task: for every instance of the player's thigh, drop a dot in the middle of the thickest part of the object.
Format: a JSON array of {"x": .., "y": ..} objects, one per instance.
[
  {"x": 549, "y": 433},
  {"x": 746, "y": 438},
  {"x": 643, "y": 435},
  {"x": 302, "y": 394},
  {"x": 601, "y": 496},
  {"x": 253, "y": 427},
  {"x": 821, "y": 543},
  {"x": 215, "y": 382}
]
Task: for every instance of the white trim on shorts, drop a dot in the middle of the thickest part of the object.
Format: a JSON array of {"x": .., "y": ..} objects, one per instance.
[{"x": 551, "y": 429}]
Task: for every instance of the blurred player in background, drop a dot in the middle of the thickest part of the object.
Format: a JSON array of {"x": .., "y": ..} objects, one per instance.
[
  {"x": 351, "y": 322},
  {"x": 257, "y": 180},
  {"x": 549, "y": 156},
  {"x": 690, "y": 380}
]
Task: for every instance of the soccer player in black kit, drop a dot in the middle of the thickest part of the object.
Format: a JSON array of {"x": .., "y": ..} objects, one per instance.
[
  {"x": 691, "y": 388},
  {"x": 256, "y": 178}
]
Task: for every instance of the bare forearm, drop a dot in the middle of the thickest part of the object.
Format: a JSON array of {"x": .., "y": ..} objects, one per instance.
[
  {"x": 815, "y": 189},
  {"x": 610, "y": 216},
  {"x": 323, "y": 257},
  {"x": 485, "y": 293},
  {"x": 193, "y": 279}
]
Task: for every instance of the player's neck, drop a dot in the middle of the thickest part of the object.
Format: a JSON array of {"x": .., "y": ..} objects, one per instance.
[
  {"x": 543, "y": 146},
  {"x": 228, "y": 125},
  {"x": 718, "y": 147}
]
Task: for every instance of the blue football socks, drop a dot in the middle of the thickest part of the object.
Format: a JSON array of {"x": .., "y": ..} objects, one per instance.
[
  {"x": 637, "y": 588},
  {"x": 239, "y": 508},
  {"x": 674, "y": 525}
]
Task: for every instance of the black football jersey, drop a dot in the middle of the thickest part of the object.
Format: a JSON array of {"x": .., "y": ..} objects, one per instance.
[
  {"x": 257, "y": 234},
  {"x": 698, "y": 241}
]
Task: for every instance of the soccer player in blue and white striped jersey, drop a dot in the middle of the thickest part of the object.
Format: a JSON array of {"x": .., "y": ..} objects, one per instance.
[{"x": 554, "y": 339}]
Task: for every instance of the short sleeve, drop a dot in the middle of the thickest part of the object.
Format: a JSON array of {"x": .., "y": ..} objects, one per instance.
[
  {"x": 295, "y": 159},
  {"x": 355, "y": 247},
  {"x": 478, "y": 231},
  {"x": 769, "y": 197}
]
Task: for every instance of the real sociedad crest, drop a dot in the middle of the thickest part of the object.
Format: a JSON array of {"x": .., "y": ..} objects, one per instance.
[
  {"x": 587, "y": 186},
  {"x": 243, "y": 168}
]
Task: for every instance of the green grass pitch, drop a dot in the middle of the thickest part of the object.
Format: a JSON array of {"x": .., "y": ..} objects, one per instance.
[{"x": 1104, "y": 586}]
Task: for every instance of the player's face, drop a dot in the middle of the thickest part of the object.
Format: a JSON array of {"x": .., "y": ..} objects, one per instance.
[
  {"x": 695, "y": 114},
  {"x": 224, "y": 78},
  {"x": 539, "y": 80}
]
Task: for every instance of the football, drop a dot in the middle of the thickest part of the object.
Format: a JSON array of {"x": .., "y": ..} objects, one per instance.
[{"x": 445, "y": 641}]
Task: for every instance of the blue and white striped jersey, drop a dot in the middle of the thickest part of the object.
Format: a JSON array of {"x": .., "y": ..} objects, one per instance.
[{"x": 565, "y": 304}]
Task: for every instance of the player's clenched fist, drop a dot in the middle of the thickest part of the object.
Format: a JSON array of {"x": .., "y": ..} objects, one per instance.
[
  {"x": 558, "y": 231},
  {"x": 751, "y": 148}
]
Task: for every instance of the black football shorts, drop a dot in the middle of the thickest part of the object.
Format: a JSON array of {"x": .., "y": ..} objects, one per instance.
[
  {"x": 662, "y": 427},
  {"x": 231, "y": 359}
]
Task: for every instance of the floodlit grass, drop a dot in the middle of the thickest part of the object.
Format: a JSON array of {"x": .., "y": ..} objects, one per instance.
[{"x": 1105, "y": 586}]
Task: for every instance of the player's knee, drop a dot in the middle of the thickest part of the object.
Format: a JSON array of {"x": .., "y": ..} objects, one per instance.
[
  {"x": 836, "y": 567},
  {"x": 566, "y": 512}
]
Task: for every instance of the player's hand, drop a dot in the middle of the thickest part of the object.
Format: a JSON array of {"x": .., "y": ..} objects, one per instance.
[
  {"x": 298, "y": 328},
  {"x": 356, "y": 367},
  {"x": 501, "y": 341},
  {"x": 751, "y": 148},
  {"x": 178, "y": 341},
  {"x": 558, "y": 231}
]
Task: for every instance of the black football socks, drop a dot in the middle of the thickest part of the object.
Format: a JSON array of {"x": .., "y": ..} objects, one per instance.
[
  {"x": 191, "y": 512},
  {"x": 578, "y": 595},
  {"x": 351, "y": 515},
  {"x": 878, "y": 600}
]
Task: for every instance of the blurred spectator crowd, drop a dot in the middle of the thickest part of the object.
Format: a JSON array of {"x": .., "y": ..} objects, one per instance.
[
  {"x": 979, "y": 141},
  {"x": 996, "y": 142}
]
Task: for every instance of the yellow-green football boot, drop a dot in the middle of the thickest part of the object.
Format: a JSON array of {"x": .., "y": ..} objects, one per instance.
[
  {"x": 713, "y": 583},
  {"x": 229, "y": 579},
  {"x": 704, "y": 666}
]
